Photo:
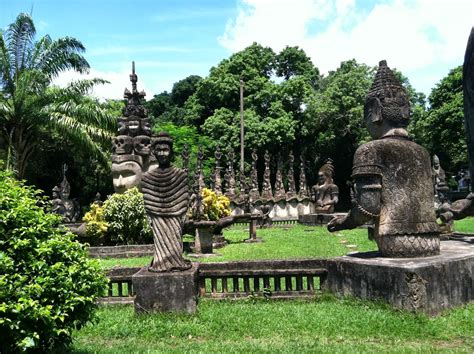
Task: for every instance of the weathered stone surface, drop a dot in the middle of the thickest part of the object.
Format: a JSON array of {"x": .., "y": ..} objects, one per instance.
[
  {"x": 429, "y": 284},
  {"x": 203, "y": 238},
  {"x": 392, "y": 177},
  {"x": 165, "y": 292}
]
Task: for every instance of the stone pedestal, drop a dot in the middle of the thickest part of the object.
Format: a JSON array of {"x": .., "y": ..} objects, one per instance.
[
  {"x": 164, "y": 292},
  {"x": 203, "y": 240},
  {"x": 429, "y": 284}
]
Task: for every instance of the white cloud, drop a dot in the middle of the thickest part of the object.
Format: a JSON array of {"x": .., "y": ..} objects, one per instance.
[
  {"x": 411, "y": 35},
  {"x": 119, "y": 80}
]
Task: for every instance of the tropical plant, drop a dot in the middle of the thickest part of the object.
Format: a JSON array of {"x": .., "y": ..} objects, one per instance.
[
  {"x": 30, "y": 108},
  {"x": 48, "y": 284}
]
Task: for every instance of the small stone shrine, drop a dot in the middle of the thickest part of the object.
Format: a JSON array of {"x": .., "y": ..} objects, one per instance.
[
  {"x": 169, "y": 283},
  {"x": 392, "y": 177},
  {"x": 131, "y": 155}
]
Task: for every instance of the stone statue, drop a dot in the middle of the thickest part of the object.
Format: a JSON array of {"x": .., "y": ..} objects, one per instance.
[
  {"x": 291, "y": 192},
  {"x": 254, "y": 194},
  {"x": 267, "y": 187},
  {"x": 166, "y": 198},
  {"x": 57, "y": 204},
  {"x": 131, "y": 155},
  {"x": 325, "y": 194},
  {"x": 392, "y": 177},
  {"x": 439, "y": 182},
  {"x": 280, "y": 193},
  {"x": 230, "y": 176},
  {"x": 303, "y": 192},
  {"x": 217, "y": 172},
  {"x": 69, "y": 209}
]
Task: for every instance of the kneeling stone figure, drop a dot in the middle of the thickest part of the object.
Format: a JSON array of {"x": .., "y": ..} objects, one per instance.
[{"x": 392, "y": 177}]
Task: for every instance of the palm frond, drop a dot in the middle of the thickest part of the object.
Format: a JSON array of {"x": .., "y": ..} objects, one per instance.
[
  {"x": 63, "y": 54},
  {"x": 19, "y": 37},
  {"x": 6, "y": 81}
]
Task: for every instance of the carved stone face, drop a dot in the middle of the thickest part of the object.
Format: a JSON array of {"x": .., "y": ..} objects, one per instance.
[
  {"x": 373, "y": 117},
  {"x": 122, "y": 127},
  {"x": 126, "y": 175},
  {"x": 122, "y": 144},
  {"x": 141, "y": 144},
  {"x": 162, "y": 153},
  {"x": 146, "y": 127},
  {"x": 133, "y": 127},
  {"x": 321, "y": 178}
]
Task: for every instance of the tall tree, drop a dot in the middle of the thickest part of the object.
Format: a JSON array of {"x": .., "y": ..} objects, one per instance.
[
  {"x": 30, "y": 108},
  {"x": 441, "y": 128}
]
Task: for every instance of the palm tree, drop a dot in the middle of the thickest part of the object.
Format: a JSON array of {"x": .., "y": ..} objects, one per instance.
[{"x": 30, "y": 107}]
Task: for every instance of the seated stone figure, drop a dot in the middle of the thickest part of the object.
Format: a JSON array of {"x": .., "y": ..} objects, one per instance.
[
  {"x": 325, "y": 194},
  {"x": 166, "y": 197},
  {"x": 392, "y": 177}
]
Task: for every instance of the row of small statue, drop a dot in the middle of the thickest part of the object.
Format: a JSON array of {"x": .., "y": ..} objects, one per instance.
[{"x": 243, "y": 190}]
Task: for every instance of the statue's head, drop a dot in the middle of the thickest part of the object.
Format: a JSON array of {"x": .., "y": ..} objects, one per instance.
[
  {"x": 55, "y": 192},
  {"x": 387, "y": 103},
  {"x": 126, "y": 172},
  {"x": 326, "y": 172},
  {"x": 435, "y": 161},
  {"x": 162, "y": 148}
]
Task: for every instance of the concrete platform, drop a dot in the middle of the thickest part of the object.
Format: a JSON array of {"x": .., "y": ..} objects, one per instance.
[{"x": 430, "y": 284}]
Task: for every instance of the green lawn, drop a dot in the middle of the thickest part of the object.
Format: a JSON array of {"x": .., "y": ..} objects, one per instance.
[
  {"x": 324, "y": 324},
  {"x": 278, "y": 243}
]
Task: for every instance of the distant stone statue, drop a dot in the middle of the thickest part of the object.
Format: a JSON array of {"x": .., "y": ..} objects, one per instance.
[
  {"x": 69, "y": 209},
  {"x": 392, "y": 177},
  {"x": 165, "y": 193},
  {"x": 325, "y": 194},
  {"x": 439, "y": 182}
]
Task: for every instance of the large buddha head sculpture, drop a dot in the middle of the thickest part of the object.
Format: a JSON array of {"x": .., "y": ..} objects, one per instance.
[{"x": 387, "y": 106}]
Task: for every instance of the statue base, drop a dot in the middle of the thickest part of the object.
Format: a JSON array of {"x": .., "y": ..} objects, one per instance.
[
  {"x": 408, "y": 246},
  {"x": 425, "y": 284},
  {"x": 318, "y": 219},
  {"x": 165, "y": 292}
]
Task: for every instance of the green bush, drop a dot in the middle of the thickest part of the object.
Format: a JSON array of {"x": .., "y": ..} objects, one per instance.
[
  {"x": 126, "y": 218},
  {"x": 48, "y": 285}
]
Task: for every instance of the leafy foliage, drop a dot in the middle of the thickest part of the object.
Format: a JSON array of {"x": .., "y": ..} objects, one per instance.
[
  {"x": 215, "y": 206},
  {"x": 441, "y": 128},
  {"x": 31, "y": 110},
  {"x": 126, "y": 218},
  {"x": 48, "y": 285}
]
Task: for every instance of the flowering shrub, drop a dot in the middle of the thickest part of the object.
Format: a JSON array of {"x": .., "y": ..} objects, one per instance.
[{"x": 215, "y": 207}]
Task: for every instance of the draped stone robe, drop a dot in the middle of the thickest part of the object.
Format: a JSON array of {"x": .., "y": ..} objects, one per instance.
[{"x": 165, "y": 193}]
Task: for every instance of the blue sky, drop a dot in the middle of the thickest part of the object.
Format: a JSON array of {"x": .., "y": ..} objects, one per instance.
[{"x": 170, "y": 40}]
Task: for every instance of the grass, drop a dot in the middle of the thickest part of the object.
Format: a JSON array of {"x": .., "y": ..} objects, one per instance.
[
  {"x": 278, "y": 243},
  {"x": 325, "y": 324},
  {"x": 464, "y": 225}
]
